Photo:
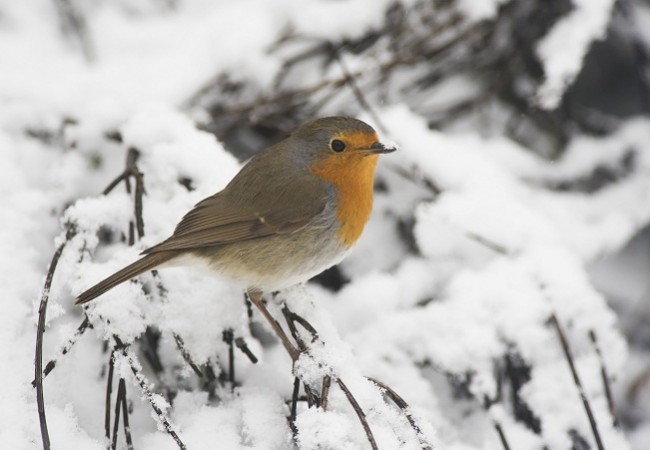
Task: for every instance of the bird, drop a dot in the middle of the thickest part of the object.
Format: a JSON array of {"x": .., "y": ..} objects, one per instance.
[{"x": 292, "y": 211}]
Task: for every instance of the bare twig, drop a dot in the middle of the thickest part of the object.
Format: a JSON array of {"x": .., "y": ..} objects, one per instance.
[
  {"x": 109, "y": 391},
  {"x": 306, "y": 325},
  {"x": 241, "y": 345},
  {"x": 604, "y": 377},
  {"x": 121, "y": 393},
  {"x": 292, "y": 329},
  {"x": 576, "y": 380},
  {"x": 294, "y": 406},
  {"x": 256, "y": 298},
  {"x": 290, "y": 318},
  {"x": 40, "y": 330},
  {"x": 360, "y": 414},
  {"x": 139, "y": 192},
  {"x": 186, "y": 355},
  {"x": 502, "y": 436},
  {"x": 125, "y": 415},
  {"x": 113, "y": 184},
  {"x": 312, "y": 399},
  {"x": 325, "y": 391},
  {"x": 228, "y": 339}
]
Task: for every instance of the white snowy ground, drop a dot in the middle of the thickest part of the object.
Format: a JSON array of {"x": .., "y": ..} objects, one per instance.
[{"x": 500, "y": 252}]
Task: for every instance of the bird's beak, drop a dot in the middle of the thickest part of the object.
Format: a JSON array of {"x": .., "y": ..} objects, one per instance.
[{"x": 378, "y": 148}]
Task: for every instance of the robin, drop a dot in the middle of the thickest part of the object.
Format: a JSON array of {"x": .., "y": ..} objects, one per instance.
[{"x": 292, "y": 211}]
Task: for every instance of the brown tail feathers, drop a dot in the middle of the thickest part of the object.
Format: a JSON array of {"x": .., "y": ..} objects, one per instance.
[{"x": 144, "y": 264}]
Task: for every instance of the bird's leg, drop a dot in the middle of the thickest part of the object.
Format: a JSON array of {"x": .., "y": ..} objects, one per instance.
[{"x": 256, "y": 298}]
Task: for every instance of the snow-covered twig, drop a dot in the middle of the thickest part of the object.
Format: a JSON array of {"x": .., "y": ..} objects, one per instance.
[
  {"x": 292, "y": 318},
  {"x": 126, "y": 353},
  {"x": 401, "y": 404},
  {"x": 51, "y": 364}
]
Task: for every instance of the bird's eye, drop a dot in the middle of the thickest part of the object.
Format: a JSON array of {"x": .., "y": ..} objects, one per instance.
[{"x": 337, "y": 145}]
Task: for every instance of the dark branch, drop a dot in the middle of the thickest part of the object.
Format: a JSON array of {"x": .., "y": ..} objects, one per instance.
[
  {"x": 109, "y": 391},
  {"x": 576, "y": 380},
  {"x": 605, "y": 378},
  {"x": 40, "y": 330},
  {"x": 241, "y": 345},
  {"x": 502, "y": 436},
  {"x": 360, "y": 414},
  {"x": 125, "y": 414},
  {"x": 186, "y": 355},
  {"x": 228, "y": 339},
  {"x": 294, "y": 407},
  {"x": 121, "y": 392}
]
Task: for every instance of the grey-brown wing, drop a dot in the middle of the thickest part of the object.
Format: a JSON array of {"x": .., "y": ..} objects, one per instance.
[{"x": 235, "y": 216}]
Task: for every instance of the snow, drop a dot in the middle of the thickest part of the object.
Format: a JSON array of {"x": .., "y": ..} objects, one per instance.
[
  {"x": 564, "y": 47},
  {"x": 476, "y": 10},
  {"x": 497, "y": 251}
]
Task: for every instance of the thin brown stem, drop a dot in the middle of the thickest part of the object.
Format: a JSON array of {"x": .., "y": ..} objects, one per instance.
[
  {"x": 360, "y": 414},
  {"x": 257, "y": 300},
  {"x": 325, "y": 391},
  {"x": 292, "y": 328}
]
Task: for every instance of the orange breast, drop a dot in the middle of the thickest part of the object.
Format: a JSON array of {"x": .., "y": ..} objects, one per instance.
[{"x": 353, "y": 175}]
